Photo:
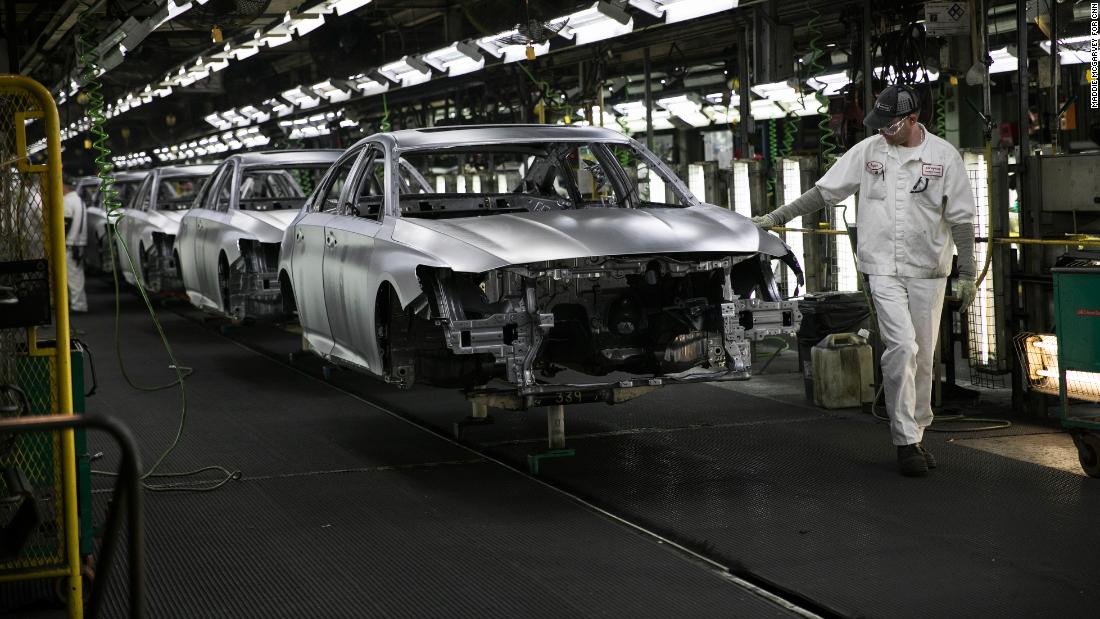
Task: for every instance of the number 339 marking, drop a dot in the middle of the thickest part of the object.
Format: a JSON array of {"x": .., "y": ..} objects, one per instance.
[{"x": 568, "y": 397}]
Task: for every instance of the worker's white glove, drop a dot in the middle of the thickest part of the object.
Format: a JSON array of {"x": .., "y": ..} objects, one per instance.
[
  {"x": 765, "y": 222},
  {"x": 967, "y": 291}
]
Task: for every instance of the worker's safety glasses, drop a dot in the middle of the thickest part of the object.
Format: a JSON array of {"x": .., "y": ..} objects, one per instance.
[{"x": 893, "y": 129}]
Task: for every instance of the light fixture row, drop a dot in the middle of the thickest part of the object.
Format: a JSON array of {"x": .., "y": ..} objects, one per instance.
[
  {"x": 203, "y": 66},
  {"x": 227, "y": 141},
  {"x": 601, "y": 21}
]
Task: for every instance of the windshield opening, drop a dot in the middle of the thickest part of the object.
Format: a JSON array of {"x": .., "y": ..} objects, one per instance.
[
  {"x": 286, "y": 187},
  {"x": 89, "y": 193},
  {"x": 177, "y": 193},
  {"x": 126, "y": 190},
  {"x": 478, "y": 180}
]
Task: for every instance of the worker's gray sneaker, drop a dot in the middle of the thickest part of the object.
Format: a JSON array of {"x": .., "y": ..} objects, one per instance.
[
  {"x": 911, "y": 460},
  {"x": 929, "y": 459}
]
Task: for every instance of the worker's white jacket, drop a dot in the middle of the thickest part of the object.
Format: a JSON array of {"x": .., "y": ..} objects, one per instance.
[
  {"x": 908, "y": 199},
  {"x": 77, "y": 232}
]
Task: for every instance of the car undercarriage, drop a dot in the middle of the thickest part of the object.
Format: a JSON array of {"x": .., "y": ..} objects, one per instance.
[{"x": 657, "y": 319}]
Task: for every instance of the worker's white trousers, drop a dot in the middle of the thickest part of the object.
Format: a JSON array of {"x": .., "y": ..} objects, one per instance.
[
  {"x": 74, "y": 270},
  {"x": 909, "y": 319}
]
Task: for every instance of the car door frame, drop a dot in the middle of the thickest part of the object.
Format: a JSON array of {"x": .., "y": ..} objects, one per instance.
[
  {"x": 216, "y": 230},
  {"x": 190, "y": 241},
  {"x": 306, "y": 236},
  {"x": 132, "y": 223},
  {"x": 349, "y": 245}
]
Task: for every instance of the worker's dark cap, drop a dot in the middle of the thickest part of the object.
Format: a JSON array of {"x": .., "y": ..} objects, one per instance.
[{"x": 892, "y": 104}]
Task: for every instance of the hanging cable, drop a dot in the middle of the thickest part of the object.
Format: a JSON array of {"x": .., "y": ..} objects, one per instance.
[
  {"x": 790, "y": 131},
  {"x": 770, "y": 145},
  {"x": 89, "y": 71},
  {"x": 552, "y": 98},
  {"x": 384, "y": 124},
  {"x": 940, "y": 112},
  {"x": 826, "y": 139}
]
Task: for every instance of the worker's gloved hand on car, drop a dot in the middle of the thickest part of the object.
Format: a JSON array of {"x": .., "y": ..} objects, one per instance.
[
  {"x": 967, "y": 291},
  {"x": 765, "y": 221}
]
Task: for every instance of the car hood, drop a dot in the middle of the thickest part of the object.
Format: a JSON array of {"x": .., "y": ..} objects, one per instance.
[
  {"x": 172, "y": 216},
  {"x": 534, "y": 237},
  {"x": 169, "y": 221},
  {"x": 276, "y": 219}
]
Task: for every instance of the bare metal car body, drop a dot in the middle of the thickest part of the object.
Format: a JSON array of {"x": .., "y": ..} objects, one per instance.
[
  {"x": 98, "y": 254},
  {"x": 465, "y": 290},
  {"x": 150, "y": 223},
  {"x": 228, "y": 242}
]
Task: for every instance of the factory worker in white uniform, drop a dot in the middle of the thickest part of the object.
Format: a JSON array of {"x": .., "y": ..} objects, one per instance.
[
  {"x": 76, "y": 237},
  {"x": 915, "y": 203}
]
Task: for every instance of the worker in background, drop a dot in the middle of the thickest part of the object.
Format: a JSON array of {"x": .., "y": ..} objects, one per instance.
[
  {"x": 76, "y": 237},
  {"x": 914, "y": 201}
]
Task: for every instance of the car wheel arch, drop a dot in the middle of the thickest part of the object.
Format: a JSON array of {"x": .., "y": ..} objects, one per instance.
[{"x": 223, "y": 290}]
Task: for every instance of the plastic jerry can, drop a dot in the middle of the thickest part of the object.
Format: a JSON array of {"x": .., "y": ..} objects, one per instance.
[{"x": 843, "y": 372}]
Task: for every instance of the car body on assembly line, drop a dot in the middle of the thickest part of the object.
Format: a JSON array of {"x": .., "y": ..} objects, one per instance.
[
  {"x": 493, "y": 258},
  {"x": 150, "y": 223},
  {"x": 98, "y": 254},
  {"x": 228, "y": 243}
]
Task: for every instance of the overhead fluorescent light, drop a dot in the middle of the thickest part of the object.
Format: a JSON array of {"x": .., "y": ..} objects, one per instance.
[
  {"x": 634, "y": 117},
  {"x": 373, "y": 84},
  {"x": 716, "y": 98},
  {"x": 160, "y": 90},
  {"x": 598, "y": 22},
  {"x": 302, "y": 97},
  {"x": 215, "y": 63},
  {"x": 1072, "y": 50},
  {"x": 277, "y": 35},
  {"x": 608, "y": 119},
  {"x": 305, "y": 23},
  {"x": 216, "y": 120},
  {"x": 247, "y": 49},
  {"x": 805, "y": 106},
  {"x": 829, "y": 84},
  {"x": 254, "y": 114},
  {"x": 1003, "y": 60},
  {"x": 777, "y": 91},
  {"x": 765, "y": 109},
  {"x": 723, "y": 114},
  {"x": 456, "y": 59},
  {"x": 279, "y": 106},
  {"x": 169, "y": 11},
  {"x": 343, "y": 7},
  {"x": 409, "y": 71},
  {"x": 334, "y": 91},
  {"x": 236, "y": 118},
  {"x": 501, "y": 46},
  {"x": 687, "y": 107},
  {"x": 681, "y": 10}
]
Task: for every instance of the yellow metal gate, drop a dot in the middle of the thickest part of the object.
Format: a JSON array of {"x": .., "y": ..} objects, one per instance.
[{"x": 33, "y": 293}]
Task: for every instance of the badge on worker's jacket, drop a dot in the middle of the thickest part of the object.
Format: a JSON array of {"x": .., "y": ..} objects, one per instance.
[
  {"x": 932, "y": 169},
  {"x": 874, "y": 167}
]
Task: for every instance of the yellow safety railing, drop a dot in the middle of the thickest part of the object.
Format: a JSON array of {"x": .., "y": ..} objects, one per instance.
[{"x": 21, "y": 100}]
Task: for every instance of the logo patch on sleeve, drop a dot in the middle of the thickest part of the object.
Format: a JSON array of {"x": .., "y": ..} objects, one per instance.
[
  {"x": 874, "y": 167},
  {"x": 932, "y": 169}
]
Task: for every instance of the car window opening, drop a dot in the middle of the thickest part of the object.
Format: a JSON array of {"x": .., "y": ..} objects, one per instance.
[{"x": 492, "y": 179}]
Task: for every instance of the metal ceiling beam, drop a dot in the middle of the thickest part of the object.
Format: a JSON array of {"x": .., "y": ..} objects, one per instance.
[{"x": 63, "y": 21}]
